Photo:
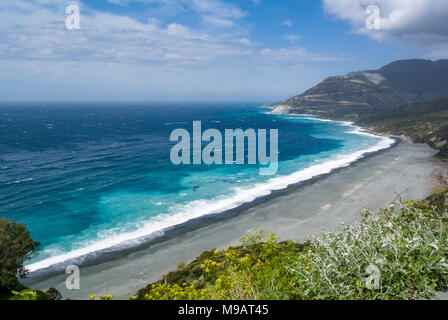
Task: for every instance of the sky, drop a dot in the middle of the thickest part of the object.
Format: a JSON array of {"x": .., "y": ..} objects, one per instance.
[{"x": 204, "y": 50}]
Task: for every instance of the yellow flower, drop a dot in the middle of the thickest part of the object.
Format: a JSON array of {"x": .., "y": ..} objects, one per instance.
[{"x": 307, "y": 268}]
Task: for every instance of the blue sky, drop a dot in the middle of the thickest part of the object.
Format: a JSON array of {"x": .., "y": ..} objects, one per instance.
[{"x": 204, "y": 50}]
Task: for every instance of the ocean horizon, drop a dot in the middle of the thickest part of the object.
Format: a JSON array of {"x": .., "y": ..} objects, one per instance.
[{"x": 85, "y": 178}]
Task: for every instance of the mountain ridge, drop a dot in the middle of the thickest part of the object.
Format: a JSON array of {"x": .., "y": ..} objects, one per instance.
[
  {"x": 404, "y": 98},
  {"x": 398, "y": 83}
]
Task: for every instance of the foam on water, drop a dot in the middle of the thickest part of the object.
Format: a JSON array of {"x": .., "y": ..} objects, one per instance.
[{"x": 179, "y": 214}]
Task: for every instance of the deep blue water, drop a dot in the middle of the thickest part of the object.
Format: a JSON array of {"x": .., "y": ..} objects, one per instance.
[{"x": 87, "y": 176}]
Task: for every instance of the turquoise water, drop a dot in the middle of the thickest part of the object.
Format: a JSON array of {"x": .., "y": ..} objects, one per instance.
[{"x": 88, "y": 177}]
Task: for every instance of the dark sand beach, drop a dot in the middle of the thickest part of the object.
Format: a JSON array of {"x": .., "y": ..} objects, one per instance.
[{"x": 406, "y": 171}]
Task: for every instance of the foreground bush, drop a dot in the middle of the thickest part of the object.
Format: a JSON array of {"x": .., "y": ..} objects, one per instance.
[
  {"x": 16, "y": 246},
  {"x": 399, "y": 252},
  {"x": 407, "y": 248}
]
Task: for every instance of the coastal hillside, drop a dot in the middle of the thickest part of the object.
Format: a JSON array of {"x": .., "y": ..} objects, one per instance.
[
  {"x": 351, "y": 95},
  {"x": 423, "y": 122},
  {"x": 404, "y": 98}
]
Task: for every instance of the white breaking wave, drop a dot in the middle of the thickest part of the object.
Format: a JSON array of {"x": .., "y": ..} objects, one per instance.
[{"x": 155, "y": 226}]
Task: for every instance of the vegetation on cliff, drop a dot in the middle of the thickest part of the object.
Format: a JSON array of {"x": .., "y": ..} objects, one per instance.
[
  {"x": 398, "y": 252},
  {"x": 16, "y": 246},
  {"x": 405, "y": 98},
  {"x": 423, "y": 122}
]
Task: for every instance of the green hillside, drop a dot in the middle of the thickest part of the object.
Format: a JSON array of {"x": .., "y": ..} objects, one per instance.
[{"x": 424, "y": 122}]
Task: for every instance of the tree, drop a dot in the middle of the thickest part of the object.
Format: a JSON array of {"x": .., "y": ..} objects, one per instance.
[{"x": 16, "y": 246}]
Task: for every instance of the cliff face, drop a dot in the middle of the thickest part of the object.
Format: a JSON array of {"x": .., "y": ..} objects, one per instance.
[{"x": 396, "y": 84}]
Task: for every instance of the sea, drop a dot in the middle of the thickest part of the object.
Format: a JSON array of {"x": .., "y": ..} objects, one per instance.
[{"x": 92, "y": 177}]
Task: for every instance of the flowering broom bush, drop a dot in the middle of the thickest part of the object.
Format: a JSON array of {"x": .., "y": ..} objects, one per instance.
[
  {"x": 174, "y": 292},
  {"x": 255, "y": 270}
]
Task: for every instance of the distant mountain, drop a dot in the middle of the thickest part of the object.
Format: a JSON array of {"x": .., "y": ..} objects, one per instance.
[
  {"x": 349, "y": 96},
  {"x": 418, "y": 80}
]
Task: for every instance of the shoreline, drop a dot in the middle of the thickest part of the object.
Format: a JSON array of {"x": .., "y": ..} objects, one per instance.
[
  {"x": 260, "y": 192},
  {"x": 380, "y": 173},
  {"x": 119, "y": 254}
]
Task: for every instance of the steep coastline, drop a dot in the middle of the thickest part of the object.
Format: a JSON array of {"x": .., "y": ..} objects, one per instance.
[
  {"x": 356, "y": 93},
  {"x": 405, "y": 99},
  {"x": 424, "y": 122}
]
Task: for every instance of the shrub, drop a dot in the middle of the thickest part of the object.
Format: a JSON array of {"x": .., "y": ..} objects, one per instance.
[
  {"x": 254, "y": 271},
  {"x": 26, "y": 294},
  {"x": 407, "y": 245},
  {"x": 16, "y": 246},
  {"x": 161, "y": 291},
  {"x": 244, "y": 272}
]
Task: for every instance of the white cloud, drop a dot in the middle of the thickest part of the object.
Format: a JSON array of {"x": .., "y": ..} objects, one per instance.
[
  {"x": 112, "y": 54},
  {"x": 39, "y": 33},
  {"x": 217, "y": 21},
  {"x": 177, "y": 29},
  {"x": 215, "y": 12},
  {"x": 286, "y": 55},
  {"x": 422, "y": 23},
  {"x": 217, "y": 8},
  {"x": 293, "y": 37},
  {"x": 244, "y": 41},
  {"x": 287, "y": 23}
]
